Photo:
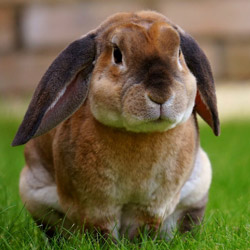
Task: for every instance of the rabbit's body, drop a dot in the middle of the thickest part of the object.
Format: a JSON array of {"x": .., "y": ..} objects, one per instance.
[
  {"x": 129, "y": 156},
  {"x": 118, "y": 179}
]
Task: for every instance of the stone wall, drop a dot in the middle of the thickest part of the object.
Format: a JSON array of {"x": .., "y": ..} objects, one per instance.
[{"x": 32, "y": 33}]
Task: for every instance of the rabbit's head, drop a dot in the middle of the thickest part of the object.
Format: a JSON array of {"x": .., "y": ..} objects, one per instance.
[
  {"x": 140, "y": 73},
  {"x": 141, "y": 81}
]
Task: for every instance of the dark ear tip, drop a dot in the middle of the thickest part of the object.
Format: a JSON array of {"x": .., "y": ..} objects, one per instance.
[
  {"x": 16, "y": 143},
  {"x": 216, "y": 129},
  {"x": 18, "y": 140},
  {"x": 217, "y": 132}
]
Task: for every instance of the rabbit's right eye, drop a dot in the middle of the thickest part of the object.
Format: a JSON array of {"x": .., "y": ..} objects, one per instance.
[{"x": 117, "y": 54}]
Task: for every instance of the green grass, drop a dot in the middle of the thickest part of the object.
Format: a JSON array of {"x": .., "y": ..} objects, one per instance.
[{"x": 227, "y": 220}]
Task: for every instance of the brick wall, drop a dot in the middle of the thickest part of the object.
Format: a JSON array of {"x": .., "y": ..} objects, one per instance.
[{"x": 33, "y": 33}]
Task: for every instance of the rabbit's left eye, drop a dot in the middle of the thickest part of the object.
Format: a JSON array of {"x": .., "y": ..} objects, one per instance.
[{"x": 117, "y": 54}]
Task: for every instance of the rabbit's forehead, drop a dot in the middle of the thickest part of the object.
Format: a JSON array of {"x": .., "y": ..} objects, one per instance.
[{"x": 159, "y": 34}]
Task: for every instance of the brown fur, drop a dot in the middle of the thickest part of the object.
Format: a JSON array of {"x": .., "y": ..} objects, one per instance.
[
  {"x": 122, "y": 159},
  {"x": 83, "y": 171}
]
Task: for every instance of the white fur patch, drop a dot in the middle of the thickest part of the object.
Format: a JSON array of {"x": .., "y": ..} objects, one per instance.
[
  {"x": 38, "y": 191},
  {"x": 192, "y": 192},
  {"x": 198, "y": 183}
]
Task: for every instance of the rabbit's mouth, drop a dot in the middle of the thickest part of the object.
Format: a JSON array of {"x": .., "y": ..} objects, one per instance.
[
  {"x": 157, "y": 117},
  {"x": 160, "y": 119},
  {"x": 158, "y": 125}
]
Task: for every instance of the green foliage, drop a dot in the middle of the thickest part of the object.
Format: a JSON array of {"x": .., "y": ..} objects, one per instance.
[{"x": 226, "y": 225}]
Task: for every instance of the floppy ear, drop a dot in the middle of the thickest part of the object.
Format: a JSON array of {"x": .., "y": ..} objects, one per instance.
[
  {"x": 197, "y": 62},
  {"x": 62, "y": 89}
]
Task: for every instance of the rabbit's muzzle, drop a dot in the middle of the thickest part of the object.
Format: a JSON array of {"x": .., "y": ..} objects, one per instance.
[
  {"x": 145, "y": 112},
  {"x": 143, "y": 109}
]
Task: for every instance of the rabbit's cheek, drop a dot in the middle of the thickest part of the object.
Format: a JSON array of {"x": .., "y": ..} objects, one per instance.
[
  {"x": 104, "y": 97},
  {"x": 173, "y": 109},
  {"x": 179, "y": 107},
  {"x": 191, "y": 90}
]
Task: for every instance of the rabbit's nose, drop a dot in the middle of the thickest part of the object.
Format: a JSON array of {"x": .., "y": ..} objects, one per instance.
[{"x": 157, "y": 99}]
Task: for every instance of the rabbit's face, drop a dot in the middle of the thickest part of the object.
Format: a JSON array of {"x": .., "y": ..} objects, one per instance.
[{"x": 141, "y": 81}]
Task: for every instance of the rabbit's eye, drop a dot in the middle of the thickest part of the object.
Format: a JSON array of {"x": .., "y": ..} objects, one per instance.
[{"x": 117, "y": 55}]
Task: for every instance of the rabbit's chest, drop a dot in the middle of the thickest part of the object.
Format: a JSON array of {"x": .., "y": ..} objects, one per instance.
[
  {"x": 117, "y": 171},
  {"x": 143, "y": 181}
]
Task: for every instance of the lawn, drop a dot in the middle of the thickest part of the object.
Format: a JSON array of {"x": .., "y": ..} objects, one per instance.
[{"x": 227, "y": 221}]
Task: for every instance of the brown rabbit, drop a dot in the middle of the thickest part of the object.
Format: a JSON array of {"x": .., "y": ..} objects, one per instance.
[{"x": 115, "y": 141}]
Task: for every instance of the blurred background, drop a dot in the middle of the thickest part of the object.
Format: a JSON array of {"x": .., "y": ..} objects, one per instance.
[{"x": 32, "y": 33}]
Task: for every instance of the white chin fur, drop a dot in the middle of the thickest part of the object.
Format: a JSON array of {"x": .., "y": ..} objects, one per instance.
[
  {"x": 132, "y": 123},
  {"x": 167, "y": 122},
  {"x": 153, "y": 126},
  {"x": 140, "y": 124}
]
